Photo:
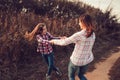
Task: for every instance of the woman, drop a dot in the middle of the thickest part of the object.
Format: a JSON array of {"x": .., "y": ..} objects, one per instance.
[
  {"x": 82, "y": 54},
  {"x": 44, "y": 47}
]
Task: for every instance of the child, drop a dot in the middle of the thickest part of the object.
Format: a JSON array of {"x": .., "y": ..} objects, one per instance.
[
  {"x": 82, "y": 54},
  {"x": 44, "y": 47}
]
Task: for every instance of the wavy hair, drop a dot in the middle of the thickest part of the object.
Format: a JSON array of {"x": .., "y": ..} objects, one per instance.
[{"x": 37, "y": 30}]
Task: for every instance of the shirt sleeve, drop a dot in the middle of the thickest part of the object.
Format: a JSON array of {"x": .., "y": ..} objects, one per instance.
[
  {"x": 41, "y": 40},
  {"x": 51, "y": 36},
  {"x": 72, "y": 39}
]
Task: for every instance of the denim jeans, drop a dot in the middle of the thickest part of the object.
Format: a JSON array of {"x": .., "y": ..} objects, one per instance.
[
  {"x": 50, "y": 62},
  {"x": 72, "y": 69}
]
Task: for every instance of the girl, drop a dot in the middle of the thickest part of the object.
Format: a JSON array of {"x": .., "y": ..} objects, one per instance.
[
  {"x": 82, "y": 54},
  {"x": 44, "y": 47}
]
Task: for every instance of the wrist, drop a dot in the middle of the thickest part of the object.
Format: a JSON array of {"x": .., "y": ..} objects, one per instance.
[{"x": 53, "y": 42}]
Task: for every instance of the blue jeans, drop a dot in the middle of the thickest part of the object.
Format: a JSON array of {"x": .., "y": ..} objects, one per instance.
[
  {"x": 81, "y": 71},
  {"x": 50, "y": 62}
]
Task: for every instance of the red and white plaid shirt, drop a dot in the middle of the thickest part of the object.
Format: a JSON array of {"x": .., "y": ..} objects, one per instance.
[
  {"x": 44, "y": 46},
  {"x": 82, "y": 53}
]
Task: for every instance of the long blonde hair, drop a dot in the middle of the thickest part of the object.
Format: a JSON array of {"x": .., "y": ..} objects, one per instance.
[{"x": 36, "y": 30}]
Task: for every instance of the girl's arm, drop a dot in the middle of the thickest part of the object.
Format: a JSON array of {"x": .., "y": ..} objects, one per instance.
[
  {"x": 41, "y": 40},
  {"x": 52, "y": 37},
  {"x": 30, "y": 35}
]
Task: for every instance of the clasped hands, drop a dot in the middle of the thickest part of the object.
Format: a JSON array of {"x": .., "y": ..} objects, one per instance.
[{"x": 52, "y": 41}]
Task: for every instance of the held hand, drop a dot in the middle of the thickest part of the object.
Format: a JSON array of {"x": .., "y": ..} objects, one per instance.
[{"x": 51, "y": 42}]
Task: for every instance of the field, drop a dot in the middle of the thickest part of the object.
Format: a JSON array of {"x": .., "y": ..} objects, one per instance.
[{"x": 18, "y": 57}]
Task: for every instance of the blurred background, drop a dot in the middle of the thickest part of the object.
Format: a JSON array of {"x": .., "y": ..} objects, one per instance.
[
  {"x": 18, "y": 57},
  {"x": 104, "y": 5}
]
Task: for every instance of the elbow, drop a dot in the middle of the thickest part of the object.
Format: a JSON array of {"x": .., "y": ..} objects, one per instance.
[
  {"x": 60, "y": 42},
  {"x": 63, "y": 44}
]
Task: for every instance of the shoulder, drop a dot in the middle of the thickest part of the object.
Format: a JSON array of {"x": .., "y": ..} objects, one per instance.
[
  {"x": 76, "y": 35},
  {"x": 80, "y": 32},
  {"x": 48, "y": 33}
]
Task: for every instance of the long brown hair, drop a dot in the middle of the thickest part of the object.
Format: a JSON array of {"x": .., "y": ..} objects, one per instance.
[
  {"x": 37, "y": 30},
  {"x": 40, "y": 29},
  {"x": 86, "y": 20}
]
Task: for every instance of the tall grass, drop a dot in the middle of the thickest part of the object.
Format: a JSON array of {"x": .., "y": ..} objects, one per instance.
[{"x": 61, "y": 17}]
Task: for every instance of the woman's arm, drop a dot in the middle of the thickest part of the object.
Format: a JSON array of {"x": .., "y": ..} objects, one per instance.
[{"x": 66, "y": 41}]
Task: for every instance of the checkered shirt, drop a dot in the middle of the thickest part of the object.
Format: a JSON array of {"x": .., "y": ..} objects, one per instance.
[
  {"x": 82, "y": 53},
  {"x": 44, "y": 46}
]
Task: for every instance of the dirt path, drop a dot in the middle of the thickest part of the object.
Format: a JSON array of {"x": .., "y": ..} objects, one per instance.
[{"x": 102, "y": 68}]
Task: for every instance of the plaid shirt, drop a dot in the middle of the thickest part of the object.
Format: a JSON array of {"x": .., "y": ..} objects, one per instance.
[
  {"x": 82, "y": 53},
  {"x": 44, "y": 46}
]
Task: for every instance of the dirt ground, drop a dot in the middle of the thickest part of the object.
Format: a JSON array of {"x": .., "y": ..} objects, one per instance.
[
  {"x": 36, "y": 68},
  {"x": 103, "y": 68}
]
